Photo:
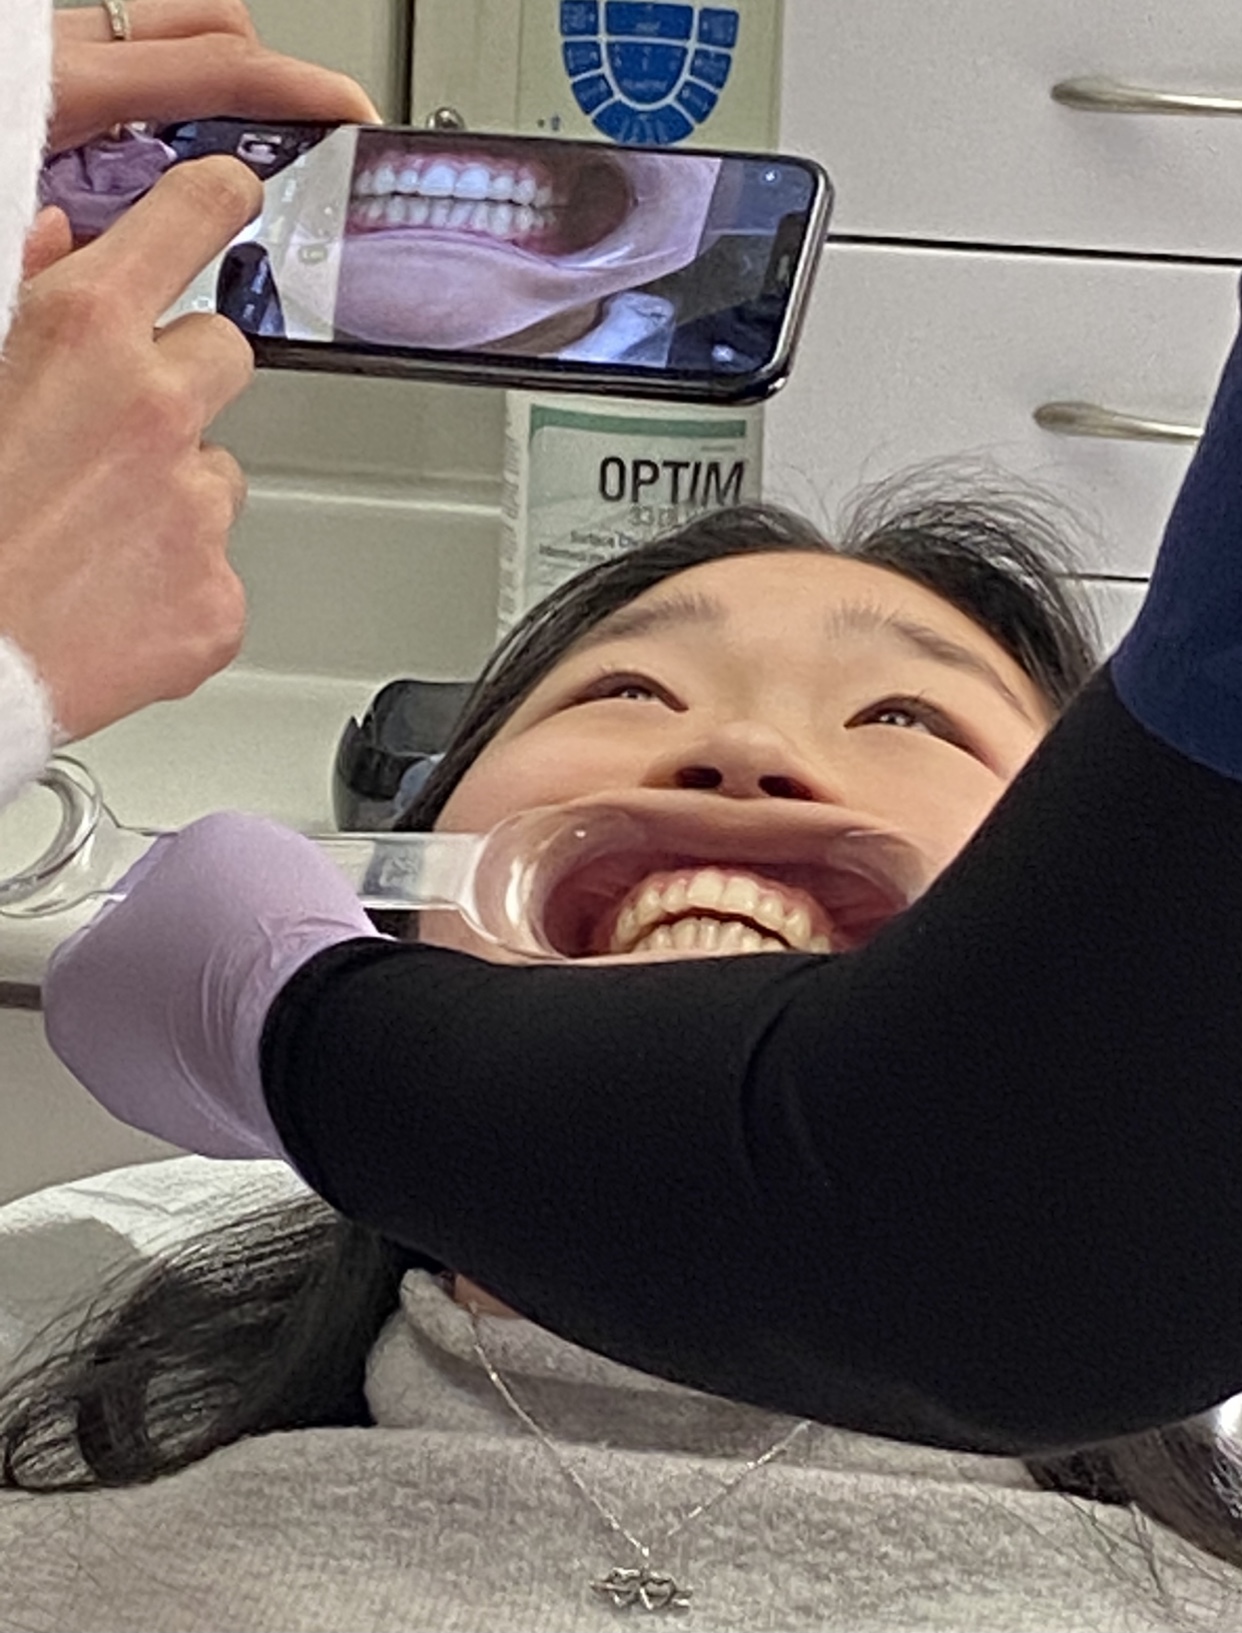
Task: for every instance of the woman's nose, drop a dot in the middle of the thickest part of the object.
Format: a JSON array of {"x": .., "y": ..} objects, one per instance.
[{"x": 743, "y": 760}]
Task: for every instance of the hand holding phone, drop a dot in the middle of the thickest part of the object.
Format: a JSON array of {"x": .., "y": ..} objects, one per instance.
[
  {"x": 182, "y": 55},
  {"x": 516, "y": 261},
  {"x": 114, "y": 515}
]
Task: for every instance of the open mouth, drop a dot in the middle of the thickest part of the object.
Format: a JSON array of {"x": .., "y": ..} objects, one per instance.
[
  {"x": 632, "y": 904},
  {"x": 558, "y": 205}
]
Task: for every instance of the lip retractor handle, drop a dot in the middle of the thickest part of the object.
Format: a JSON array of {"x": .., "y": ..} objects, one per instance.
[{"x": 499, "y": 882}]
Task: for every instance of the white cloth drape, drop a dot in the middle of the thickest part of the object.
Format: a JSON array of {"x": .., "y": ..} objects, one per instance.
[{"x": 25, "y": 99}]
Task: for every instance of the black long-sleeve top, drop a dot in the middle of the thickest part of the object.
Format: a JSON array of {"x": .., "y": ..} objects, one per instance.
[{"x": 977, "y": 1184}]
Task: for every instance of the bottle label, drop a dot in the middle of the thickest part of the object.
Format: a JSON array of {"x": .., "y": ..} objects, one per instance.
[{"x": 583, "y": 485}]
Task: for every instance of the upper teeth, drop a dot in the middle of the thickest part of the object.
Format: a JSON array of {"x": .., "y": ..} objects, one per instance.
[
  {"x": 454, "y": 179},
  {"x": 506, "y": 202},
  {"x": 733, "y": 908}
]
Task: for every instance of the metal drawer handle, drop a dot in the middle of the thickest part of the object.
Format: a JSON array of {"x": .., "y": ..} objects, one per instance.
[
  {"x": 1098, "y": 94},
  {"x": 1093, "y": 420}
]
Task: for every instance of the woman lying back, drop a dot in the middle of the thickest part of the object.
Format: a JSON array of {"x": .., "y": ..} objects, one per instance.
[{"x": 760, "y": 692}]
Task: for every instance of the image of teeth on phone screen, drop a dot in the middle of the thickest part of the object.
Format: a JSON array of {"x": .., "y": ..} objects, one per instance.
[{"x": 517, "y": 247}]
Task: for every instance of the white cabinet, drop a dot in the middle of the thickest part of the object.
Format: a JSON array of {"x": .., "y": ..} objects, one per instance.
[
  {"x": 913, "y": 354},
  {"x": 996, "y": 252},
  {"x": 937, "y": 121}
]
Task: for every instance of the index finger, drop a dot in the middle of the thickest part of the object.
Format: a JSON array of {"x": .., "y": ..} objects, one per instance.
[{"x": 156, "y": 249}]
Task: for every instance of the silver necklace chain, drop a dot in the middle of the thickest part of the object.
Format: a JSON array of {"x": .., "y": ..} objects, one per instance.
[{"x": 644, "y": 1588}]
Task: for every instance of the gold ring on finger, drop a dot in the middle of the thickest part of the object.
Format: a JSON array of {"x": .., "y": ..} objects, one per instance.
[{"x": 118, "y": 19}]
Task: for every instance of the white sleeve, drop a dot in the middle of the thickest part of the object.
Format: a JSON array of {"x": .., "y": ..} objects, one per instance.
[
  {"x": 25, "y": 98},
  {"x": 27, "y": 731}
]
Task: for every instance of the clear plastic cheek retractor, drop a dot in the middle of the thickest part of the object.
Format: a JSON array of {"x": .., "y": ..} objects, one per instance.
[{"x": 499, "y": 882}]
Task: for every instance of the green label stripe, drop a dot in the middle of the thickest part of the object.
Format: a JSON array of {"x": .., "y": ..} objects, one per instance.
[{"x": 616, "y": 426}]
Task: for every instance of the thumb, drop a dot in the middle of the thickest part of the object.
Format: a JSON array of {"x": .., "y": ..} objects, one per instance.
[{"x": 48, "y": 241}]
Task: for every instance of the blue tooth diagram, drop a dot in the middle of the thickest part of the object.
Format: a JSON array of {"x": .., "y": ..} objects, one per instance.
[{"x": 647, "y": 74}]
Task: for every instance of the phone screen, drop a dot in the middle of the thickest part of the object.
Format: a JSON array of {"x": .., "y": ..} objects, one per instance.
[{"x": 416, "y": 243}]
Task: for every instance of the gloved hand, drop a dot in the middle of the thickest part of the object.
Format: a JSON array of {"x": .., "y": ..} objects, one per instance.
[{"x": 157, "y": 1005}]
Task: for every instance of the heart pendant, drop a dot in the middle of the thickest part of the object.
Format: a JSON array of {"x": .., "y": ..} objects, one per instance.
[{"x": 642, "y": 1589}]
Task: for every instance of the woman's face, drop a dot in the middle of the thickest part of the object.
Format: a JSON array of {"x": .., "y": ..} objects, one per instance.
[
  {"x": 757, "y": 711},
  {"x": 478, "y": 242}
]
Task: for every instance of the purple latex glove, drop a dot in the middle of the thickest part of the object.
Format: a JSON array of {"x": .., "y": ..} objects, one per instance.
[
  {"x": 96, "y": 183},
  {"x": 157, "y": 1005}
]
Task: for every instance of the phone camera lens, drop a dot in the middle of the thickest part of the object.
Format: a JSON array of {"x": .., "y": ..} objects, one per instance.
[{"x": 771, "y": 177}]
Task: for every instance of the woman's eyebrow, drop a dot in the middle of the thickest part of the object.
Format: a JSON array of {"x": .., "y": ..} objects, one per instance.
[
  {"x": 858, "y": 618},
  {"x": 670, "y": 612},
  {"x": 854, "y": 618}
]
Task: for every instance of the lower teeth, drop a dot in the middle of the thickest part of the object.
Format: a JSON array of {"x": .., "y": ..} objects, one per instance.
[
  {"x": 706, "y": 935},
  {"x": 506, "y": 221}
]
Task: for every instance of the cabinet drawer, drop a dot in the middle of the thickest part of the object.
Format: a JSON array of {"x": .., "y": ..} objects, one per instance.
[
  {"x": 936, "y": 121},
  {"x": 917, "y": 354}
]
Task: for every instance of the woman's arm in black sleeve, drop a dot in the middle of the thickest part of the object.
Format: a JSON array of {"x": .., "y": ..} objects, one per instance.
[{"x": 976, "y": 1184}]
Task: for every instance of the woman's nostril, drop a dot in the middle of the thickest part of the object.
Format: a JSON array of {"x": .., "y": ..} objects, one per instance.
[
  {"x": 699, "y": 776},
  {"x": 710, "y": 776},
  {"x": 785, "y": 788}
]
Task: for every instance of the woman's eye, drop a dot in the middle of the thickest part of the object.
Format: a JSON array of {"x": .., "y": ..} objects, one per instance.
[
  {"x": 627, "y": 688},
  {"x": 911, "y": 713},
  {"x": 897, "y": 714}
]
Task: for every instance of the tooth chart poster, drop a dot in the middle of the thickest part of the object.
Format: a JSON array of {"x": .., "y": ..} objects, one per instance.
[{"x": 657, "y": 74}]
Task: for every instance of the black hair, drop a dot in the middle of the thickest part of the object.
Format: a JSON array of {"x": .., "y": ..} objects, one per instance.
[{"x": 267, "y": 1323}]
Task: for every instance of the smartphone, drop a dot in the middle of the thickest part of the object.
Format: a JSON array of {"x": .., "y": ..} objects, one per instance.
[{"x": 516, "y": 261}]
